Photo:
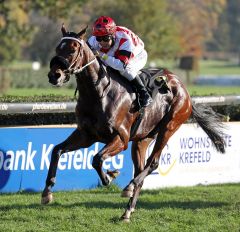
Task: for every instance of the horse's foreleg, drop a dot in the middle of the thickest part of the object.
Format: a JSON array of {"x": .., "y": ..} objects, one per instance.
[
  {"x": 139, "y": 149},
  {"x": 132, "y": 203},
  {"x": 75, "y": 141},
  {"x": 51, "y": 177},
  {"x": 110, "y": 150},
  {"x": 138, "y": 156}
]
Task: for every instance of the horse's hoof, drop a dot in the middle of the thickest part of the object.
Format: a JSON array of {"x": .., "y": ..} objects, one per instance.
[
  {"x": 47, "y": 199},
  {"x": 113, "y": 174},
  {"x": 127, "y": 193},
  {"x": 127, "y": 214},
  {"x": 127, "y": 220},
  {"x": 109, "y": 177}
]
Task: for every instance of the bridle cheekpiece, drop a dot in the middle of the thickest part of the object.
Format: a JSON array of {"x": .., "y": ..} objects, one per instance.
[{"x": 76, "y": 70}]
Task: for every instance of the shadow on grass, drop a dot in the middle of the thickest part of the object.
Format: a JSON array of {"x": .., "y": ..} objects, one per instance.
[{"x": 142, "y": 204}]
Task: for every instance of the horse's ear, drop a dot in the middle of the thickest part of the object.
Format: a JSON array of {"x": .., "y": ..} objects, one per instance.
[
  {"x": 82, "y": 33},
  {"x": 63, "y": 29}
]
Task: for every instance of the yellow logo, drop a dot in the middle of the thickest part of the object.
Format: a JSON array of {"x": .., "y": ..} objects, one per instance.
[{"x": 164, "y": 173}]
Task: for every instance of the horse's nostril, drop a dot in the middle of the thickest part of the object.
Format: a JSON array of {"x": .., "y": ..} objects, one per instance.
[
  {"x": 57, "y": 75},
  {"x": 51, "y": 78},
  {"x": 54, "y": 75}
]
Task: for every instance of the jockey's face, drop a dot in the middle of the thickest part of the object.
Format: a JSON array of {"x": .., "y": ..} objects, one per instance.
[{"x": 105, "y": 41}]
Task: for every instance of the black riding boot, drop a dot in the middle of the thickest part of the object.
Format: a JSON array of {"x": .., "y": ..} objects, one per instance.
[{"x": 144, "y": 97}]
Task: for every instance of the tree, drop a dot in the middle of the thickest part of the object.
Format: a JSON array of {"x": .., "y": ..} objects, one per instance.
[
  {"x": 233, "y": 18},
  {"x": 149, "y": 19},
  {"x": 226, "y": 36},
  {"x": 16, "y": 27},
  {"x": 42, "y": 46},
  {"x": 196, "y": 20}
]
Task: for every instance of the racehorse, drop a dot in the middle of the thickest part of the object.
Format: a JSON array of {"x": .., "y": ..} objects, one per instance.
[{"x": 107, "y": 112}]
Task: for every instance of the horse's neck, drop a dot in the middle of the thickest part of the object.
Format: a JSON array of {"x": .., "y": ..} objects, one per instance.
[
  {"x": 91, "y": 82},
  {"x": 96, "y": 83}
]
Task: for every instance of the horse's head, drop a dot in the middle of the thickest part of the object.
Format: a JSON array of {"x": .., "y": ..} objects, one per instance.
[{"x": 69, "y": 57}]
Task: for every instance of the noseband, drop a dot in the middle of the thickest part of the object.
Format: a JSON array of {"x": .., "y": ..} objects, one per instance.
[{"x": 65, "y": 63}]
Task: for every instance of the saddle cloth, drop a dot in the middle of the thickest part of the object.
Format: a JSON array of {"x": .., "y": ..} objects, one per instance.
[{"x": 154, "y": 80}]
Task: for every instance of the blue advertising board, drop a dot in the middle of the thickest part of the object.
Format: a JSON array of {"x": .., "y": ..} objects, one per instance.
[{"x": 25, "y": 155}]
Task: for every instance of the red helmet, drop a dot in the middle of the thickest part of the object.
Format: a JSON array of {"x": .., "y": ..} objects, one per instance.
[{"x": 104, "y": 25}]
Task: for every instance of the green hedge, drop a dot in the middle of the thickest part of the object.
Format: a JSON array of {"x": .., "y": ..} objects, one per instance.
[
  {"x": 28, "y": 78},
  {"x": 43, "y": 98}
]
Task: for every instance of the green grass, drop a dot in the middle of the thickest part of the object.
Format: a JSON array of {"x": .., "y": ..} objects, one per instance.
[
  {"x": 202, "y": 208},
  {"x": 207, "y": 67},
  {"x": 195, "y": 90}
]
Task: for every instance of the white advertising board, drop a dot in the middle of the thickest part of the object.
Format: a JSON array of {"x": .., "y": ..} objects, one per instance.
[{"x": 190, "y": 159}]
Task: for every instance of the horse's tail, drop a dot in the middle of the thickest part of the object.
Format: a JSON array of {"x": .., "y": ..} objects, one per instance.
[{"x": 210, "y": 122}]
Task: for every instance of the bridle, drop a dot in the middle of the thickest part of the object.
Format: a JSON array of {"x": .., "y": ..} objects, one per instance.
[{"x": 69, "y": 70}]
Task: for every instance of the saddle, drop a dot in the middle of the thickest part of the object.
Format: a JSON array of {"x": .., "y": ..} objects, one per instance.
[{"x": 153, "y": 79}]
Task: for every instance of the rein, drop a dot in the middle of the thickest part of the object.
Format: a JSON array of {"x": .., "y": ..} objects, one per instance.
[{"x": 78, "y": 70}]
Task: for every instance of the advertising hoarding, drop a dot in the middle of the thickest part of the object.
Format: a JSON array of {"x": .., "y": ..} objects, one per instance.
[
  {"x": 188, "y": 159},
  {"x": 25, "y": 155}
]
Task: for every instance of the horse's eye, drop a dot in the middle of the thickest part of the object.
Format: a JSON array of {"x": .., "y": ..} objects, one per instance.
[{"x": 75, "y": 44}]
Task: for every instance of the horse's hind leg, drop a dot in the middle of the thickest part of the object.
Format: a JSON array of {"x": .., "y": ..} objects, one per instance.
[
  {"x": 167, "y": 129},
  {"x": 76, "y": 140},
  {"x": 178, "y": 114}
]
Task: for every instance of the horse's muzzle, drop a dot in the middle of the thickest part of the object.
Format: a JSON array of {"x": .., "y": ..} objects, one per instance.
[{"x": 57, "y": 77}]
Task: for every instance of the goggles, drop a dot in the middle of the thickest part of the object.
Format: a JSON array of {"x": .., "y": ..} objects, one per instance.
[{"x": 105, "y": 38}]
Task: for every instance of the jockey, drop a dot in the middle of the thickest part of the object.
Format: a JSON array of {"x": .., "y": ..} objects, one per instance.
[{"x": 121, "y": 49}]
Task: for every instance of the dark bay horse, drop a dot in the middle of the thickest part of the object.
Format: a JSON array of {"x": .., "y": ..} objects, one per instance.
[{"x": 106, "y": 112}]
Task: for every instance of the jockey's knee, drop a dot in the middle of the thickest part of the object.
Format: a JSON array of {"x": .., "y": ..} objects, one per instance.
[{"x": 129, "y": 73}]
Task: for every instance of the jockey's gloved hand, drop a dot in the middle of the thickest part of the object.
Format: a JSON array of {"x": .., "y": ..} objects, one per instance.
[{"x": 102, "y": 55}]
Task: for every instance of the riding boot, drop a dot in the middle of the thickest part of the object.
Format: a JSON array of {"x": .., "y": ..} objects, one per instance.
[{"x": 144, "y": 97}]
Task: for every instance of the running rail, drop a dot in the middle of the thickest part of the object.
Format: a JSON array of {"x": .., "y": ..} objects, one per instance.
[{"x": 69, "y": 107}]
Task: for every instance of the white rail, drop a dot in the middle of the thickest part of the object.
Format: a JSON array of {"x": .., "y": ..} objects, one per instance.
[{"x": 58, "y": 107}]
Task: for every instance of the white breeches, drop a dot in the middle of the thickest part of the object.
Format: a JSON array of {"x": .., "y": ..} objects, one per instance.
[{"x": 135, "y": 64}]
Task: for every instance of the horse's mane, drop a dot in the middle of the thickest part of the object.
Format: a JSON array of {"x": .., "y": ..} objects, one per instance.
[{"x": 112, "y": 74}]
